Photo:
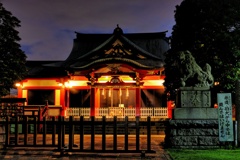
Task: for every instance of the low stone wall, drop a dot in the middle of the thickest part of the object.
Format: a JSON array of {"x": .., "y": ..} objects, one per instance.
[{"x": 199, "y": 134}]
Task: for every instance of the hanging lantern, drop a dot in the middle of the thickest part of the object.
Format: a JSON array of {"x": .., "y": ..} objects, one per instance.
[
  {"x": 120, "y": 92},
  {"x": 103, "y": 91},
  {"x": 109, "y": 92}
]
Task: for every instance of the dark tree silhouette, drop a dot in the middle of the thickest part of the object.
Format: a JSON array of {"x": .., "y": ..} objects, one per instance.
[
  {"x": 210, "y": 30},
  {"x": 12, "y": 58}
]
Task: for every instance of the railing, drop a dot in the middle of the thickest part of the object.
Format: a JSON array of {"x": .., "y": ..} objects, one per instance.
[
  {"x": 130, "y": 112},
  {"x": 65, "y": 140},
  {"x": 158, "y": 112},
  {"x": 144, "y": 112},
  {"x": 162, "y": 112}
]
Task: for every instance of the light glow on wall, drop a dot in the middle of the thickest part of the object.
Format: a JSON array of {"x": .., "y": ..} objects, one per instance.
[
  {"x": 67, "y": 85},
  {"x": 73, "y": 83},
  {"x": 125, "y": 79},
  {"x": 60, "y": 84},
  {"x": 103, "y": 79},
  {"x": 18, "y": 85},
  {"x": 153, "y": 82}
]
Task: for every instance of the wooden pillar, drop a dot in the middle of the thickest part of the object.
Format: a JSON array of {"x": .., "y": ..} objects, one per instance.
[
  {"x": 170, "y": 108},
  {"x": 67, "y": 100},
  {"x": 19, "y": 91},
  {"x": 97, "y": 100},
  {"x": 62, "y": 101},
  {"x": 138, "y": 102},
  {"x": 92, "y": 102}
]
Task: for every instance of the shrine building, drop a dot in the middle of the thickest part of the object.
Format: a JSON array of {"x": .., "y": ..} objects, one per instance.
[{"x": 103, "y": 71}]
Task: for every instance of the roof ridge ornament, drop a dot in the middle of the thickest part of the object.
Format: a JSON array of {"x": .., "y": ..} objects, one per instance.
[{"x": 118, "y": 30}]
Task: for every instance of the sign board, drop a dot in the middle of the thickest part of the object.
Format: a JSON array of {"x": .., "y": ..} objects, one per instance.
[{"x": 225, "y": 116}]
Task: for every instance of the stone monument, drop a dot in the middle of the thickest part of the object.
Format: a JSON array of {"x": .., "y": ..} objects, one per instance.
[{"x": 195, "y": 122}]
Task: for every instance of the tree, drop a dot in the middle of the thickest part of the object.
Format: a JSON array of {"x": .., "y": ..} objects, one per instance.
[
  {"x": 12, "y": 59},
  {"x": 210, "y": 29}
]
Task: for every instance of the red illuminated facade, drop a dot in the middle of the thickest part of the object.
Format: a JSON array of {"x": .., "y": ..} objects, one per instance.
[{"x": 102, "y": 70}]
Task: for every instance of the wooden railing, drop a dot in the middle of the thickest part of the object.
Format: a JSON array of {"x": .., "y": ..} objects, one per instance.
[
  {"x": 64, "y": 136},
  {"x": 160, "y": 112}
]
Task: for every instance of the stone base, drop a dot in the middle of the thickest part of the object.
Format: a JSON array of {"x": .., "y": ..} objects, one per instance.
[
  {"x": 195, "y": 113},
  {"x": 199, "y": 134}
]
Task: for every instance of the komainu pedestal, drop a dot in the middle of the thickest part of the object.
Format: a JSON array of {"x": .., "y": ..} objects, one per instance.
[
  {"x": 194, "y": 97},
  {"x": 194, "y": 103},
  {"x": 195, "y": 122}
]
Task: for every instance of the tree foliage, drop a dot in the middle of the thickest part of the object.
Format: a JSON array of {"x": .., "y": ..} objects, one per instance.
[
  {"x": 210, "y": 29},
  {"x": 12, "y": 59}
]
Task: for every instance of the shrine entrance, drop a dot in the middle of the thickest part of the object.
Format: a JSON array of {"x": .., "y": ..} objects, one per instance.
[{"x": 118, "y": 97}]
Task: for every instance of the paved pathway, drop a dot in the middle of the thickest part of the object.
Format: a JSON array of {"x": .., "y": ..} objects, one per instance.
[{"x": 42, "y": 154}]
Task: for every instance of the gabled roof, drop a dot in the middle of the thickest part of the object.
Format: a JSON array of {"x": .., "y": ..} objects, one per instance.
[
  {"x": 116, "y": 53},
  {"x": 141, "y": 50}
]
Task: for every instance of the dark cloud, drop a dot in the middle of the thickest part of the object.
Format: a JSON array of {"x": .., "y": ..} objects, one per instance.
[{"x": 48, "y": 26}]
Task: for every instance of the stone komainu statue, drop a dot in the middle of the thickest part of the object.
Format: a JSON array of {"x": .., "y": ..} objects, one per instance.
[{"x": 192, "y": 74}]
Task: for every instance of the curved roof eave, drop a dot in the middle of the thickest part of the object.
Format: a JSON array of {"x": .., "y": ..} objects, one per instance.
[
  {"x": 54, "y": 64},
  {"x": 126, "y": 40},
  {"x": 97, "y": 48},
  {"x": 118, "y": 59},
  {"x": 139, "y": 48}
]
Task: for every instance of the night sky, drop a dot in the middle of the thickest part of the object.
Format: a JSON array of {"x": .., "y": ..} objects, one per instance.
[{"x": 48, "y": 26}]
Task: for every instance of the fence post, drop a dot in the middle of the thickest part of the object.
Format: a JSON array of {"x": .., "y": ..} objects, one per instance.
[
  {"x": 16, "y": 129},
  {"x": 92, "y": 132},
  {"x": 35, "y": 131},
  {"x": 71, "y": 132},
  {"x": 63, "y": 131},
  {"x": 39, "y": 119},
  {"x": 7, "y": 132},
  {"x": 81, "y": 133},
  {"x": 60, "y": 133},
  {"x": 137, "y": 133},
  {"x": 104, "y": 133},
  {"x": 115, "y": 133},
  {"x": 44, "y": 130},
  {"x": 54, "y": 131},
  {"x": 148, "y": 133},
  {"x": 26, "y": 130},
  {"x": 126, "y": 133},
  {"x": 39, "y": 113}
]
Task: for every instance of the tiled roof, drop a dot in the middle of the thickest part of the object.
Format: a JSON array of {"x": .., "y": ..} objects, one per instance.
[
  {"x": 143, "y": 50},
  {"x": 151, "y": 45}
]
